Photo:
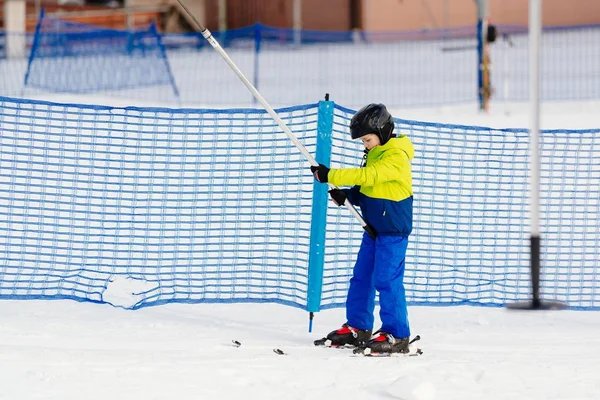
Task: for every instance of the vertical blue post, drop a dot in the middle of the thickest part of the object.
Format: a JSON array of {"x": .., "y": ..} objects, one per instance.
[
  {"x": 480, "y": 61},
  {"x": 163, "y": 53},
  {"x": 34, "y": 46},
  {"x": 482, "y": 18},
  {"x": 316, "y": 258},
  {"x": 257, "y": 39}
]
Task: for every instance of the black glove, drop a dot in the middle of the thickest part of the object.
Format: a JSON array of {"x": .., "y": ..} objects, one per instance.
[
  {"x": 320, "y": 173},
  {"x": 338, "y": 196}
]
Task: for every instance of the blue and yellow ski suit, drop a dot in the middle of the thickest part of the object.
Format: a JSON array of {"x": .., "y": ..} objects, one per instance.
[{"x": 383, "y": 191}]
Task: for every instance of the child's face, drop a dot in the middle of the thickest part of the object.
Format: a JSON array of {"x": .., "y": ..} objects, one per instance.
[{"x": 370, "y": 140}]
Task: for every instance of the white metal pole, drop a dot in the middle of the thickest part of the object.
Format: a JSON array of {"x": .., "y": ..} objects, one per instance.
[
  {"x": 222, "y": 15},
  {"x": 208, "y": 36},
  {"x": 15, "y": 24},
  {"x": 365, "y": 23},
  {"x": 128, "y": 16},
  {"x": 535, "y": 33},
  {"x": 297, "y": 21},
  {"x": 505, "y": 77},
  {"x": 535, "y": 28},
  {"x": 38, "y": 7},
  {"x": 446, "y": 19}
]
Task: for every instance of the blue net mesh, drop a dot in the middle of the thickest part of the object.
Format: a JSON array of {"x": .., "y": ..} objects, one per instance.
[
  {"x": 568, "y": 67},
  {"x": 68, "y": 57},
  {"x": 141, "y": 206},
  {"x": 400, "y": 69},
  {"x": 470, "y": 243},
  {"x": 185, "y": 205}
]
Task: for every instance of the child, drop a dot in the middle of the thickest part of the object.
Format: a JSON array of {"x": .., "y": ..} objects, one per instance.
[{"x": 383, "y": 190}]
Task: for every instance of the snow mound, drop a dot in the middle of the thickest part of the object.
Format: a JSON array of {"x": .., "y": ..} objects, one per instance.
[{"x": 126, "y": 291}]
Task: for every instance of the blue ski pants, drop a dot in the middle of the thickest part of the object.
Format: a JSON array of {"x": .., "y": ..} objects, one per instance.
[{"x": 379, "y": 267}]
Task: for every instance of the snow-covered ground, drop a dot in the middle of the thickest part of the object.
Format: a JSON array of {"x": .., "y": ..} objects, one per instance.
[{"x": 69, "y": 350}]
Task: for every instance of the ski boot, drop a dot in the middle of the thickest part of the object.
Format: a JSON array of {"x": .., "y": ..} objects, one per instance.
[
  {"x": 345, "y": 336},
  {"x": 387, "y": 343}
]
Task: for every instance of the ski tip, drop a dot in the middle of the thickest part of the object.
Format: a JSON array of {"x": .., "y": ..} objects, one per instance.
[
  {"x": 236, "y": 343},
  {"x": 322, "y": 342},
  {"x": 415, "y": 339},
  {"x": 279, "y": 352}
]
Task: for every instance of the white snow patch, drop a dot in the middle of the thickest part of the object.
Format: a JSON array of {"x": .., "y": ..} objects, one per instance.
[{"x": 126, "y": 291}]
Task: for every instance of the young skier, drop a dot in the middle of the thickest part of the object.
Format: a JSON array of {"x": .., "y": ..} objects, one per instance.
[{"x": 382, "y": 188}]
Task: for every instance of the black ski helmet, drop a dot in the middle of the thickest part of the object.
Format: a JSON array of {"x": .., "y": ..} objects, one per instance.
[{"x": 372, "y": 118}]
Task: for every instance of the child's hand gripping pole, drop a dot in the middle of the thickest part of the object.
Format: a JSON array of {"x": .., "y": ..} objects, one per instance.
[{"x": 208, "y": 36}]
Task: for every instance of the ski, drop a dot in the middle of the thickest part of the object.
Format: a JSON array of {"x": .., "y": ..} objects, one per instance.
[
  {"x": 366, "y": 352},
  {"x": 279, "y": 352},
  {"x": 359, "y": 351}
]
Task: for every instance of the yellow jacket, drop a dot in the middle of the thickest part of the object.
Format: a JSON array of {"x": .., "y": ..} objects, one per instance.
[{"x": 385, "y": 195}]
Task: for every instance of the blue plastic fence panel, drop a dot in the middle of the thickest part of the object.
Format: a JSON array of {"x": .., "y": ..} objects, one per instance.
[
  {"x": 569, "y": 64},
  {"x": 142, "y": 206},
  {"x": 470, "y": 243},
  {"x": 398, "y": 68},
  {"x": 395, "y": 68},
  {"x": 69, "y": 57}
]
